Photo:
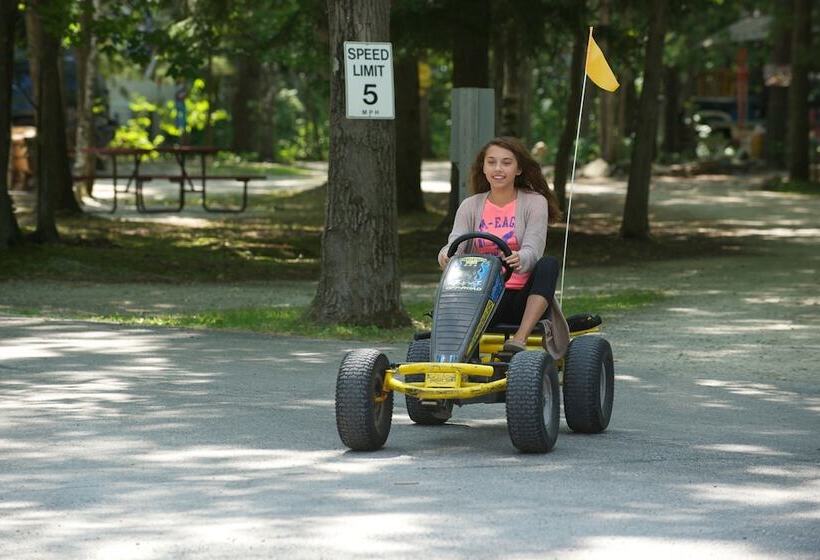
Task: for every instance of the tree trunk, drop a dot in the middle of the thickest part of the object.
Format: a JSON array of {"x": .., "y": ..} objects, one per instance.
[
  {"x": 525, "y": 100},
  {"x": 359, "y": 281},
  {"x": 626, "y": 105},
  {"x": 471, "y": 44},
  {"x": 245, "y": 106},
  {"x": 266, "y": 137},
  {"x": 516, "y": 69},
  {"x": 799, "y": 92},
  {"x": 607, "y": 104},
  {"x": 424, "y": 122},
  {"x": 9, "y": 230},
  {"x": 636, "y": 210},
  {"x": 565, "y": 143},
  {"x": 408, "y": 136},
  {"x": 471, "y": 66},
  {"x": 510, "y": 96},
  {"x": 671, "y": 127},
  {"x": 497, "y": 39},
  {"x": 54, "y": 188},
  {"x": 778, "y": 94},
  {"x": 210, "y": 88},
  {"x": 86, "y": 52}
]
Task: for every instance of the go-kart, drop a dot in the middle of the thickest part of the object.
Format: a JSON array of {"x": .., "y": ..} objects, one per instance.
[{"x": 462, "y": 361}]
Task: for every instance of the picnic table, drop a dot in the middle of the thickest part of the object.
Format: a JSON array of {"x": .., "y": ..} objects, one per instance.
[{"x": 188, "y": 181}]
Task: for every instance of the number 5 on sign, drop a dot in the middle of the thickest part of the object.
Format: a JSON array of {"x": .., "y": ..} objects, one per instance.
[{"x": 369, "y": 80}]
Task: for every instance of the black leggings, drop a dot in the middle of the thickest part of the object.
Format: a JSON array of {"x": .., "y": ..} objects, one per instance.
[{"x": 542, "y": 282}]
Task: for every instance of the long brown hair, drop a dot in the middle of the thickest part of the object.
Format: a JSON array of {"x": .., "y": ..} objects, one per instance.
[{"x": 531, "y": 179}]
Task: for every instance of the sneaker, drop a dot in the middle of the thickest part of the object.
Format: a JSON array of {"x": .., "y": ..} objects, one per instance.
[{"x": 513, "y": 346}]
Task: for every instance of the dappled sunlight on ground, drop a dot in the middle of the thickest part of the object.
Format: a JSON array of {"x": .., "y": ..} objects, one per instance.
[
  {"x": 166, "y": 443},
  {"x": 648, "y": 547}
]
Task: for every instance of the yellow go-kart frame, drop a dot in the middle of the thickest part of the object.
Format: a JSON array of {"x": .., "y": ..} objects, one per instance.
[{"x": 444, "y": 381}]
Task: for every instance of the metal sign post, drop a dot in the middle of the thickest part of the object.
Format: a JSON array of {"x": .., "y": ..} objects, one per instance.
[{"x": 472, "y": 126}]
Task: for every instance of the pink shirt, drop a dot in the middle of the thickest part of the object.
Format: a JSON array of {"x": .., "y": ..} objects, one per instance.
[{"x": 500, "y": 221}]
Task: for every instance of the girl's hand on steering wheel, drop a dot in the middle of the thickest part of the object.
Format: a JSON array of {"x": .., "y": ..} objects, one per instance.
[
  {"x": 443, "y": 259},
  {"x": 513, "y": 261}
]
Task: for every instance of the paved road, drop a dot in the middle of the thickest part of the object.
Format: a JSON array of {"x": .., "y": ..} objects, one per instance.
[
  {"x": 123, "y": 442},
  {"x": 137, "y": 443}
]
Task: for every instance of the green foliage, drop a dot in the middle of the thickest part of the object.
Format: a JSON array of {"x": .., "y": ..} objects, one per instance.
[
  {"x": 298, "y": 137},
  {"x": 137, "y": 131},
  {"x": 439, "y": 96}
]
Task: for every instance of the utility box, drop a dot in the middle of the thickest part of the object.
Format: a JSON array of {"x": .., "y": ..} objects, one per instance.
[{"x": 472, "y": 117}]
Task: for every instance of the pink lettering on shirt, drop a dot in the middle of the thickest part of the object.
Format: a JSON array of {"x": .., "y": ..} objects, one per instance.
[{"x": 500, "y": 221}]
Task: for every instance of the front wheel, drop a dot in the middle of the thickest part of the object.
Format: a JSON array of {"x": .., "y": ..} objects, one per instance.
[
  {"x": 533, "y": 405},
  {"x": 363, "y": 411},
  {"x": 589, "y": 383},
  {"x": 425, "y": 414}
]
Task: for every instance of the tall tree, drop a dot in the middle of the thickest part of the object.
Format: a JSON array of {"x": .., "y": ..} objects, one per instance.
[
  {"x": 86, "y": 77},
  {"x": 9, "y": 230},
  {"x": 565, "y": 142},
  {"x": 778, "y": 93},
  {"x": 408, "y": 134},
  {"x": 44, "y": 20},
  {"x": 672, "y": 133},
  {"x": 471, "y": 39},
  {"x": 245, "y": 111},
  {"x": 607, "y": 104},
  {"x": 799, "y": 92},
  {"x": 359, "y": 280},
  {"x": 512, "y": 63},
  {"x": 636, "y": 209}
]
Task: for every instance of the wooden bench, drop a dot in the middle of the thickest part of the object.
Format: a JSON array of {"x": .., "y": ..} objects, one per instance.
[
  {"x": 187, "y": 183},
  {"x": 137, "y": 181},
  {"x": 201, "y": 188}
]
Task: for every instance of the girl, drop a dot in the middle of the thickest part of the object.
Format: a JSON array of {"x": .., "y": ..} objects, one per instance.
[{"x": 514, "y": 202}]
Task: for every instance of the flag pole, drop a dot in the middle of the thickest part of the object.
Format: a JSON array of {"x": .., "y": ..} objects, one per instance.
[{"x": 572, "y": 176}]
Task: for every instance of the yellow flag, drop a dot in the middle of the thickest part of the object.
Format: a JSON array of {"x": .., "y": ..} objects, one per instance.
[{"x": 597, "y": 68}]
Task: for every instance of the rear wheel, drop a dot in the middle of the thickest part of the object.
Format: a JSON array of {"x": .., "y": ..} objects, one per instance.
[
  {"x": 431, "y": 413},
  {"x": 363, "y": 412},
  {"x": 589, "y": 383},
  {"x": 533, "y": 403}
]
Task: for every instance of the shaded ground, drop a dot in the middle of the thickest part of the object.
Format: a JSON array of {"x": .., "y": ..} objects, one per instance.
[{"x": 191, "y": 256}]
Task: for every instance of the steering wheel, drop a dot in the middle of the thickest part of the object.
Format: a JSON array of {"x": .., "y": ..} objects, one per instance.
[{"x": 500, "y": 243}]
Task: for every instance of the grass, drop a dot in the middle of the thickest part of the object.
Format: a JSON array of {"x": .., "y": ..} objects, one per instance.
[
  {"x": 279, "y": 239},
  {"x": 292, "y": 320},
  {"x": 798, "y": 187},
  {"x": 255, "y": 168}
]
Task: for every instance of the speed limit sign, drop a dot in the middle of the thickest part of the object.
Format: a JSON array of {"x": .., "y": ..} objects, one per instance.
[{"x": 369, "y": 80}]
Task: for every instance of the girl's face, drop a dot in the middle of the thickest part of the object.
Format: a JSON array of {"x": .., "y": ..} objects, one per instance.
[{"x": 500, "y": 167}]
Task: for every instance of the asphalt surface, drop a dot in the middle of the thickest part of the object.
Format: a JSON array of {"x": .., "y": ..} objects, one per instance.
[
  {"x": 139, "y": 443},
  {"x": 149, "y": 443}
]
